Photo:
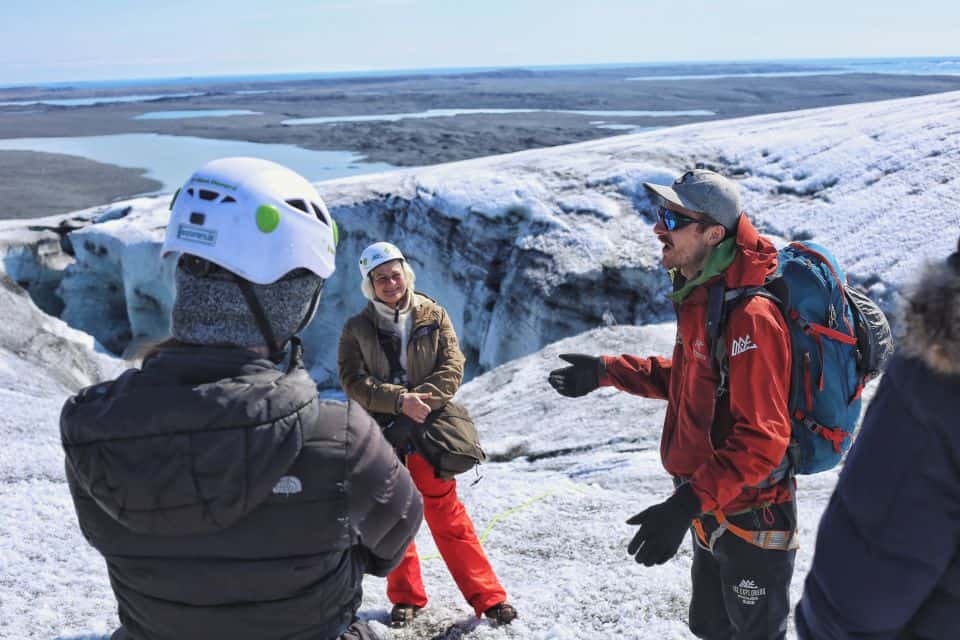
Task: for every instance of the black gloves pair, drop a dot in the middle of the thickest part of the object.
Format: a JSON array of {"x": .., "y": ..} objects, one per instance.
[
  {"x": 663, "y": 527},
  {"x": 579, "y": 379}
]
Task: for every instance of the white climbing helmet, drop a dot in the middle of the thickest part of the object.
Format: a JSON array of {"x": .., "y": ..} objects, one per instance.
[
  {"x": 254, "y": 218},
  {"x": 376, "y": 254}
]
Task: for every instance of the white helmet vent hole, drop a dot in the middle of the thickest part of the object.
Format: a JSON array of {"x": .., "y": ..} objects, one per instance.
[
  {"x": 317, "y": 210},
  {"x": 298, "y": 204},
  {"x": 227, "y": 199},
  {"x": 207, "y": 194}
]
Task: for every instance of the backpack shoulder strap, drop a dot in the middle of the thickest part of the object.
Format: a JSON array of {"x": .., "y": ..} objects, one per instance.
[
  {"x": 720, "y": 302},
  {"x": 388, "y": 343}
]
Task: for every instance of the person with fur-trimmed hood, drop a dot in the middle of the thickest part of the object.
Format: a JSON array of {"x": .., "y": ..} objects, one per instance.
[
  {"x": 227, "y": 500},
  {"x": 400, "y": 360},
  {"x": 887, "y": 560}
]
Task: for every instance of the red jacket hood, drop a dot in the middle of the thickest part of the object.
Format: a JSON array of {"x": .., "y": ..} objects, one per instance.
[{"x": 756, "y": 258}]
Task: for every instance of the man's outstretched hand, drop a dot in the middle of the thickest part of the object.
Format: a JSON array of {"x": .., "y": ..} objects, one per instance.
[
  {"x": 663, "y": 527},
  {"x": 580, "y": 378}
]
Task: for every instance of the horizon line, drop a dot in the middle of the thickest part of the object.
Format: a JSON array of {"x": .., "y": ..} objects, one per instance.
[{"x": 346, "y": 73}]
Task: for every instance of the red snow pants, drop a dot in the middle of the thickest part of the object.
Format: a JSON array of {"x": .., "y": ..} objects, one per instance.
[{"x": 456, "y": 540}]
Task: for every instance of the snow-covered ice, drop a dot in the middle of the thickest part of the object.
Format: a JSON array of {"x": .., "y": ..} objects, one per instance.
[
  {"x": 527, "y": 248},
  {"x": 523, "y": 250},
  {"x": 49, "y": 577}
]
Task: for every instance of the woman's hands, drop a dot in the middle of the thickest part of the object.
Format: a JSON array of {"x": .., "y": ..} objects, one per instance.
[{"x": 413, "y": 406}]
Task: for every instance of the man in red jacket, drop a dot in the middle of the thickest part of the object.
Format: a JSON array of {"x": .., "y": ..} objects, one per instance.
[{"x": 722, "y": 439}]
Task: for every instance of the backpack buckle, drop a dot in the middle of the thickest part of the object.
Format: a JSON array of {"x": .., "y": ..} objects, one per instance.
[{"x": 722, "y": 385}]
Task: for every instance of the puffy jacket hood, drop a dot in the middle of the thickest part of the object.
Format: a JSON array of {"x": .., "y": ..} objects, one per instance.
[
  {"x": 189, "y": 444},
  {"x": 932, "y": 319}
]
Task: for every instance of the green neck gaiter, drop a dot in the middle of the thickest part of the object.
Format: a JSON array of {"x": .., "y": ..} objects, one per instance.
[{"x": 720, "y": 258}]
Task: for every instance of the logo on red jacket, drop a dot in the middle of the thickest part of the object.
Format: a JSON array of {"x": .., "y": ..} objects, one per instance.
[
  {"x": 741, "y": 345},
  {"x": 700, "y": 349}
]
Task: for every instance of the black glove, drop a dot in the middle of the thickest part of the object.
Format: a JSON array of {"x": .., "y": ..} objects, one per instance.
[
  {"x": 663, "y": 526},
  {"x": 579, "y": 379}
]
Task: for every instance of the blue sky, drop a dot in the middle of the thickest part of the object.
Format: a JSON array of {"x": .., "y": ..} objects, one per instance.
[{"x": 56, "y": 40}]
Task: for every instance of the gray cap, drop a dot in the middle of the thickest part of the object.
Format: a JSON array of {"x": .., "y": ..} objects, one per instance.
[{"x": 705, "y": 192}]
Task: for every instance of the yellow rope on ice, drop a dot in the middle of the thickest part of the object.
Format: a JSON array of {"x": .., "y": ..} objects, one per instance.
[{"x": 509, "y": 512}]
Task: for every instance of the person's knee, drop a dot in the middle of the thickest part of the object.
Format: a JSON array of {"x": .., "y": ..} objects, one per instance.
[
  {"x": 710, "y": 630},
  {"x": 446, "y": 515},
  {"x": 710, "y": 624}
]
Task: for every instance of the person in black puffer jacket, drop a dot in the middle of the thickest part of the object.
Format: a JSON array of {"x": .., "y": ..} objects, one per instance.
[
  {"x": 887, "y": 560},
  {"x": 227, "y": 500}
]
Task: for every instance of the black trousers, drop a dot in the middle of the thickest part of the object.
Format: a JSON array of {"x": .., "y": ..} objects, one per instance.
[{"x": 740, "y": 591}]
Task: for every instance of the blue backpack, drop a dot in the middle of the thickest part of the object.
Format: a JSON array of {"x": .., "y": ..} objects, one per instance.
[{"x": 839, "y": 340}]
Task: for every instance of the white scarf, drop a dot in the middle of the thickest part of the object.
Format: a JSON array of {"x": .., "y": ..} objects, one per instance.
[{"x": 399, "y": 322}]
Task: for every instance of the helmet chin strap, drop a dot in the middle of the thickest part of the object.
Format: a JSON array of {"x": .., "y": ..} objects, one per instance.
[
  {"x": 246, "y": 288},
  {"x": 263, "y": 323},
  {"x": 296, "y": 345},
  {"x": 312, "y": 309}
]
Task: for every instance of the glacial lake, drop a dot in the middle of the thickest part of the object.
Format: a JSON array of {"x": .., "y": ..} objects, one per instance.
[
  {"x": 171, "y": 159},
  {"x": 86, "y": 102},
  {"x": 768, "y": 74},
  {"x": 627, "y": 128},
  {"x": 446, "y": 113},
  {"x": 196, "y": 113}
]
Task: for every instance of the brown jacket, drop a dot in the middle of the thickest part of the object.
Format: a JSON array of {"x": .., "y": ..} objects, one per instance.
[{"x": 434, "y": 360}]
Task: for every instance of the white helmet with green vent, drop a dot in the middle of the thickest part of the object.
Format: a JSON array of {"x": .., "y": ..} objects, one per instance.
[
  {"x": 377, "y": 254},
  {"x": 254, "y": 218}
]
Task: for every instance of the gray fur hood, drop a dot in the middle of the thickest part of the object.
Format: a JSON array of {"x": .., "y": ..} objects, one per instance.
[{"x": 931, "y": 318}]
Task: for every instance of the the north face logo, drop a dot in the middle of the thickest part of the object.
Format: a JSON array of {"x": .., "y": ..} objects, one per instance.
[{"x": 741, "y": 344}]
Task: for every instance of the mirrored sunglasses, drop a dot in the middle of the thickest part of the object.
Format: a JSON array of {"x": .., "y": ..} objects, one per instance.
[{"x": 673, "y": 220}]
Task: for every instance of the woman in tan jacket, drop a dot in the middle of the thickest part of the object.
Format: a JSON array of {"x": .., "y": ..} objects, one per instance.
[{"x": 400, "y": 356}]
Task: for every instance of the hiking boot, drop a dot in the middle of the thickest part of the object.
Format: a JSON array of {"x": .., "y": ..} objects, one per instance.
[
  {"x": 502, "y": 613},
  {"x": 403, "y": 614}
]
